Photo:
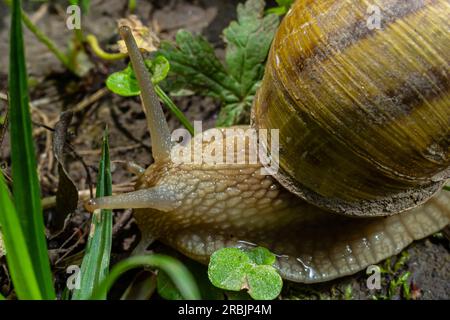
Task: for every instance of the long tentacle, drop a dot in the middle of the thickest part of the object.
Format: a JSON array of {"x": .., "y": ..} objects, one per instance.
[{"x": 157, "y": 124}]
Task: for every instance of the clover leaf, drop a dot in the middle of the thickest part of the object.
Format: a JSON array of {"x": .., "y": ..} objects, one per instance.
[
  {"x": 236, "y": 269},
  {"x": 124, "y": 82}
]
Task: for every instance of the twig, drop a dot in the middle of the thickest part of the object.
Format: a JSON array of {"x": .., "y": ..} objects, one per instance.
[
  {"x": 112, "y": 150},
  {"x": 50, "y": 202},
  {"x": 43, "y": 38},
  {"x": 89, "y": 100},
  {"x": 86, "y": 168},
  {"x": 123, "y": 218}
]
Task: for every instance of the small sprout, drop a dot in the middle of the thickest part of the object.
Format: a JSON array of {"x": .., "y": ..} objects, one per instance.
[
  {"x": 400, "y": 263},
  {"x": 235, "y": 269},
  {"x": 159, "y": 68},
  {"x": 348, "y": 293}
]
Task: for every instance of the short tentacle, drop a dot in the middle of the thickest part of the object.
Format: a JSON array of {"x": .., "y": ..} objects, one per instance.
[{"x": 160, "y": 198}]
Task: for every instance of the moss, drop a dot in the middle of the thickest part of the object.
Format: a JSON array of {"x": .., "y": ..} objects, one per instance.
[{"x": 395, "y": 278}]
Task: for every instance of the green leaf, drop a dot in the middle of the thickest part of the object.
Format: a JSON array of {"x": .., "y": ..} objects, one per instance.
[
  {"x": 18, "y": 257},
  {"x": 166, "y": 288},
  {"x": 262, "y": 256},
  {"x": 233, "y": 113},
  {"x": 178, "y": 273},
  {"x": 283, "y": 7},
  {"x": 264, "y": 282},
  {"x": 228, "y": 268},
  {"x": 195, "y": 66},
  {"x": 28, "y": 220},
  {"x": 123, "y": 83},
  {"x": 141, "y": 287},
  {"x": 234, "y": 269},
  {"x": 248, "y": 41},
  {"x": 159, "y": 68},
  {"x": 95, "y": 265}
]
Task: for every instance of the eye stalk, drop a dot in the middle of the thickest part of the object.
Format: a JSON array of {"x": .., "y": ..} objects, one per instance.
[{"x": 157, "y": 124}]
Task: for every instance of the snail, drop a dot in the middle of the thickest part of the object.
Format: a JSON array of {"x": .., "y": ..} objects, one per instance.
[{"x": 363, "y": 117}]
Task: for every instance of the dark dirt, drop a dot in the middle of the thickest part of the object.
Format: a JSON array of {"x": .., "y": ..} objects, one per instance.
[{"x": 53, "y": 90}]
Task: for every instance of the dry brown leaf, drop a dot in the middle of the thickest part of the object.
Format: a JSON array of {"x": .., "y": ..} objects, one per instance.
[{"x": 146, "y": 39}]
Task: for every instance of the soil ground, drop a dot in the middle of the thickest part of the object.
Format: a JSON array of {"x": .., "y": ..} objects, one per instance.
[{"x": 54, "y": 90}]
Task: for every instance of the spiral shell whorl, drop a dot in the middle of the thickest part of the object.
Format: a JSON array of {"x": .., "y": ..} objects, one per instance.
[{"x": 364, "y": 115}]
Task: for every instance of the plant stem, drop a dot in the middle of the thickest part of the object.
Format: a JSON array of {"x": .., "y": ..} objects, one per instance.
[
  {"x": 131, "y": 5},
  {"x": 93, "y": 42},
  {"x": 43, "y": 38},
  {"x": 174, "y": 109}
]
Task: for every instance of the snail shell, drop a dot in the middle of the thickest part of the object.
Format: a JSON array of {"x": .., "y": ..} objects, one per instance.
[{"x": 364, "y": 115}]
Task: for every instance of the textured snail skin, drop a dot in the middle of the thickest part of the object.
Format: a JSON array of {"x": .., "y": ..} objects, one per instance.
[
  {"x": 216, "y": 206},
  {"x": 371, "y": 108}
]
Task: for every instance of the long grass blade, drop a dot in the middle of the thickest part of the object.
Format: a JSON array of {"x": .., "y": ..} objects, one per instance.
[
  {"x": 95, "y": 265},
  {"x": 18, "y": 256},
  {"x": 178, "y": 273},
  {"x": 26, "y": 191}
]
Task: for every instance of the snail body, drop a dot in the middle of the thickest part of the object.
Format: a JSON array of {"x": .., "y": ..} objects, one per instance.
[{"x": 364, "y": 151}]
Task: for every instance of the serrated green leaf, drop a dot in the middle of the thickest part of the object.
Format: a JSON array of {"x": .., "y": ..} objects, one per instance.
[
  {"x": 248, "y": 41},
  {"x": 196, "y": 66},
  {"x": 233, "y": 113}
]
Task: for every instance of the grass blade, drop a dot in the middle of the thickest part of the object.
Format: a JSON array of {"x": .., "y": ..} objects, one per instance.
[
  {"x": 179, "y": 274},
  {"x": 26, "y": 191},
  {"x": 18, "y": 256},
  {"x": 174, "y": 109},
  {"x": 95, "y": 265}
]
